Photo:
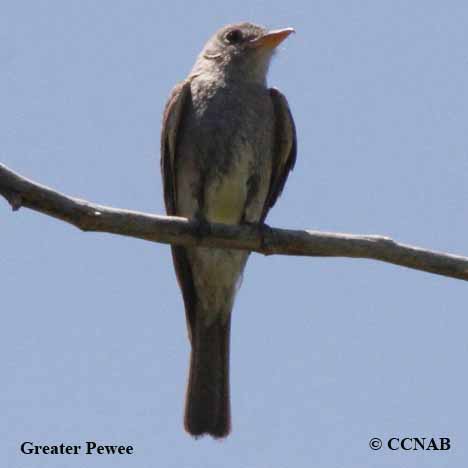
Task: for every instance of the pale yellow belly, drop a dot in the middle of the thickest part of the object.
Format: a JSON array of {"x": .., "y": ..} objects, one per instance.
[{"x": 225, "y": 197}]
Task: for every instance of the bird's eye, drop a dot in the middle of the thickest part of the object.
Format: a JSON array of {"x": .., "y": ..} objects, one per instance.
[{"x": 234, "y": 36}]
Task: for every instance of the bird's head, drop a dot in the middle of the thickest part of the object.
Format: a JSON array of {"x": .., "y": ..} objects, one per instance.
[{"x": 240, "y": 51}]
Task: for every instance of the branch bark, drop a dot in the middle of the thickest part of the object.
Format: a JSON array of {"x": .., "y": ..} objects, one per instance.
[{"x": 21, "y": 192}]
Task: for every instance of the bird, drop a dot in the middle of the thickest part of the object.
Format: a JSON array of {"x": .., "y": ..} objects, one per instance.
[{"x": 228, "y": 143}]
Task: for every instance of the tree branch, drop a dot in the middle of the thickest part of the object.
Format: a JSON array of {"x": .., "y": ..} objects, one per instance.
[{"x": 21, "y": 192}]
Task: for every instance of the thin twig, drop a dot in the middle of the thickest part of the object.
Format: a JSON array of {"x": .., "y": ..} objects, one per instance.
[{"x": 21, "y": 192}]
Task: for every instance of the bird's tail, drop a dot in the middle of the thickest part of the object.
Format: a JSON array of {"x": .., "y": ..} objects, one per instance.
[{"x": 207, "y": 408}]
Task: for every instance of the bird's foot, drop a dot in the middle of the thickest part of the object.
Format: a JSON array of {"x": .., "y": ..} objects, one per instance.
[
  {"x": 264, "y": 231},
  {"x": 202, "y": 227},
  {"x": 266, "y": 234}
]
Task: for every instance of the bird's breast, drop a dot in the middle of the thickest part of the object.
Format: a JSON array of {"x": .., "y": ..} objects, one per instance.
[{"x": 228, "y": 136}]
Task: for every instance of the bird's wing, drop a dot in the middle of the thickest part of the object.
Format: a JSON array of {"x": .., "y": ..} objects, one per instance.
[
  {"x": 172, "y": 123},
  {"x": 285, "y": 149}
]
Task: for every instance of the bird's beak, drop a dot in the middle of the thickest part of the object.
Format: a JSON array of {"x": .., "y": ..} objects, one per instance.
[{"x": 272, "y": 39}]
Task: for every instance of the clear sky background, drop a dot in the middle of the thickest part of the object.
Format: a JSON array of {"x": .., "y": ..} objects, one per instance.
[{"x": 326, "y": 353}]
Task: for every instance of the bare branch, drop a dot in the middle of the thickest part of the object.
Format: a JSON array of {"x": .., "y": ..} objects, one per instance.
[{"x": 21, "y": 192}]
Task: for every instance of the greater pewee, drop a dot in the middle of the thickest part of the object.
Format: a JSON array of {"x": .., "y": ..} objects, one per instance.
[{"x": 228, "y": 143}]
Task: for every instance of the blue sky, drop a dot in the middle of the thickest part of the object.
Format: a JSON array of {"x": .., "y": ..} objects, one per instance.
[{"x": 326, "y": 353}]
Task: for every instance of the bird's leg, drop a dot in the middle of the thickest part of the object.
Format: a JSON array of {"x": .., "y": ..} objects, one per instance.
[
  {"x": 202, "y": 226},
  {"x": 265, "y": 232}
]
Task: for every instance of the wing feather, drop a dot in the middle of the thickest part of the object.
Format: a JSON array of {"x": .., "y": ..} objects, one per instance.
[
  {"x": 285, "y": 148},
  {"x": 172, "y": 121},
  {"x": 172, "y": 125}
]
